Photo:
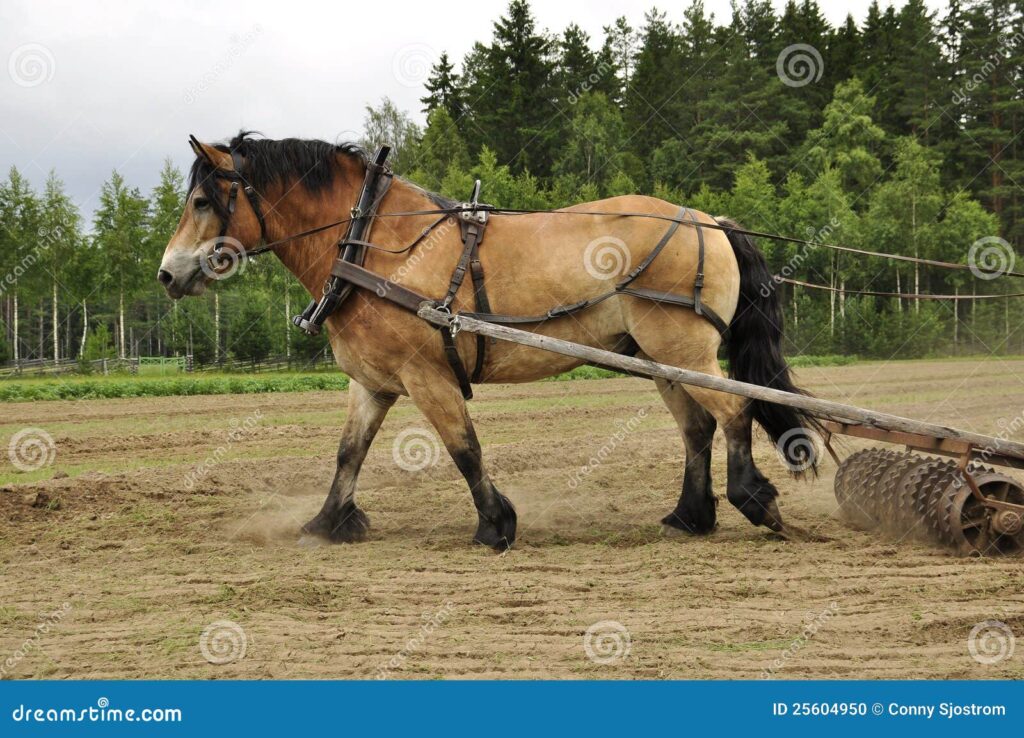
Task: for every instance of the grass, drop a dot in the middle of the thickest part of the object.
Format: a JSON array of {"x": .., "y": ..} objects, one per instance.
[
  {"x": 91, "y": 388},
  {"x": 119, "y": 386}
]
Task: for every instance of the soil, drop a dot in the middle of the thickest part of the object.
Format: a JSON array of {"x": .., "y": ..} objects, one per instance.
[{"x": 160, "y": 516}]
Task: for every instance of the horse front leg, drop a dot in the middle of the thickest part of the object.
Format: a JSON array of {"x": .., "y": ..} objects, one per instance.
[
  {"x": 440, "y": 400},
  {"x": 339, "y": 520}
]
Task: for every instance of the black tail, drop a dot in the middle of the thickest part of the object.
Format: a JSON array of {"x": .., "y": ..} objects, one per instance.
[{"x": 754, "y": 346}]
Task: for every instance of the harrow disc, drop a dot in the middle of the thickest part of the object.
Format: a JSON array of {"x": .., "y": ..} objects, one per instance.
[
  {"x": 908, "y": 495},
  {"x": 854, "y": 486}
]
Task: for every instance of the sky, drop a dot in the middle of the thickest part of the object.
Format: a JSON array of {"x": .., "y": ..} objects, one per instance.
[{"x": 91, "y": 87}]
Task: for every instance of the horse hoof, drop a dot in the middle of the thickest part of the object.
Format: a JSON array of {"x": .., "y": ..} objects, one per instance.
[
  {"x": 678, "y": 523},
  {"x": 498, "y": 533},
  {"x": 347, "y": 525}
]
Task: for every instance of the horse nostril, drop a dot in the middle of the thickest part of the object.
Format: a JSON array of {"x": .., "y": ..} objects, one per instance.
[{"x": 165, "y": 277}]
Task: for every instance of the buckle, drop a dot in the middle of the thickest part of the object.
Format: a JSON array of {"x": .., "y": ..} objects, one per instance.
[
  {"x": 355, "y": 212},
  {"x": 698, "y": 281},
  {"x": 455, "y": 326}
]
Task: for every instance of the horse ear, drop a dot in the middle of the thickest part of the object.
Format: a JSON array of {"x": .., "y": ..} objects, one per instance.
[{"x": 217, "y": 158}]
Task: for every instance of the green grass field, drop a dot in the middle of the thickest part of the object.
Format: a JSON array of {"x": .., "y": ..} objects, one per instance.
[{"x": 75, "y": 387}]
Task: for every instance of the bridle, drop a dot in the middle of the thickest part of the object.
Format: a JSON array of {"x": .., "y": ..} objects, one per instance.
[{"x": 234, "y": 176}]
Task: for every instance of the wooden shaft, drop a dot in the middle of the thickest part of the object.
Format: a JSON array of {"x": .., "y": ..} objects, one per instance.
[{"x": 814, "y": 406}]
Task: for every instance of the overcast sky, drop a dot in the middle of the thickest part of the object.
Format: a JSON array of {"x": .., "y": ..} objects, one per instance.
[{"x": 94, "y": 86}]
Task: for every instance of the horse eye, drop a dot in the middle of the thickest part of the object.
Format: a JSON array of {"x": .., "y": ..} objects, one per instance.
[{"x": 201, "y": 203}]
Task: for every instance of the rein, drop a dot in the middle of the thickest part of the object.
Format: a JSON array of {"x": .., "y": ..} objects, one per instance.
[{"x": 459, "y": 209}]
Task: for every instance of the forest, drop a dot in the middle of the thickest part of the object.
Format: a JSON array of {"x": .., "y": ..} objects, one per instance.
[{"x": 897, "y": 132}]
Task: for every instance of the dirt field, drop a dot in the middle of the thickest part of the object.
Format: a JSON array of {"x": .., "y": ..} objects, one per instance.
[{"x": 141, "y": 542}]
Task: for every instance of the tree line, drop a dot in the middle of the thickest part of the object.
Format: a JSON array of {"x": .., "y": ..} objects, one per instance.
[{"x": 897, "y": 133}]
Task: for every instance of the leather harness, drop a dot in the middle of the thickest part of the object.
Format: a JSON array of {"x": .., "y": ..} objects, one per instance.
[{"x": 348, "y": 272}]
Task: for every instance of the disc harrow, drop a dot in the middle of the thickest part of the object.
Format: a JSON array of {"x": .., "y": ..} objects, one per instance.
[{"x": 907, "y": 495}]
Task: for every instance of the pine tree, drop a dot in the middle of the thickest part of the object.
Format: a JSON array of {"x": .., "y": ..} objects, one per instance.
[
  {"x": 510, "y": 84},
  {"x": 443, "y": 89},
  {"x": 651, "y": 102}
]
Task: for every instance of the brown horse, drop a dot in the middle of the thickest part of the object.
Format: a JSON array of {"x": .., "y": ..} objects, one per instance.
[{"x": 532, "y": 262}]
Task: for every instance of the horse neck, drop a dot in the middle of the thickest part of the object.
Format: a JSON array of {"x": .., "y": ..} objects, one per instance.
[
  {"x": 310, "y": 259},
  {"x": 298, "y": 210}
]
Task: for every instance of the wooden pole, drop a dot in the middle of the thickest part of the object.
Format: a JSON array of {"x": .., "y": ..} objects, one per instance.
[{"x": 836, "y": 411}]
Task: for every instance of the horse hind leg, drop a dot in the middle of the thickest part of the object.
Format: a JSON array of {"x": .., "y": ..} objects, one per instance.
[
  {"x": 696, "y": 509},
  {"x": 750, "y": 491}
]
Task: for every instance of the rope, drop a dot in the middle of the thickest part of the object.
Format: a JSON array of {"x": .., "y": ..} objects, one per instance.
[
  {"x": 713, "y": 226},
  {"x": 903, "y": 295}
]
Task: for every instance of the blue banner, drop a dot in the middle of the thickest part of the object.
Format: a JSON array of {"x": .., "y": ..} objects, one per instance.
[{"x": 508, "y": 708}]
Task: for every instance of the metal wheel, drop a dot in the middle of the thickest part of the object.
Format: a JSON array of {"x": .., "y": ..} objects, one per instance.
[{"x": 976, "y": 529}]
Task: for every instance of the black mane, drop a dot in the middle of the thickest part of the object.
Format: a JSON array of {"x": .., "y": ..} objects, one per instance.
[{"x": 269, "y": 162}]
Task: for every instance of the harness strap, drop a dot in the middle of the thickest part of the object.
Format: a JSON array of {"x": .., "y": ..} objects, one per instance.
[
  {"x": 642, "y": 266},
  {"x": 698, "y": 280}
]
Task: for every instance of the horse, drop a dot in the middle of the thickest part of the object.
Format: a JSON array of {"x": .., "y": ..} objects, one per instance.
[{"x": 532, "y": 261}]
